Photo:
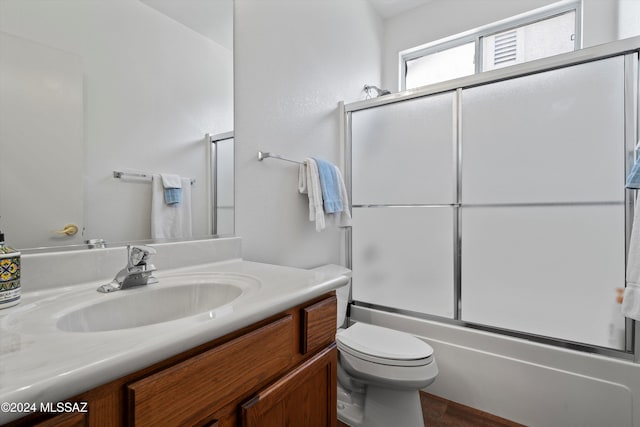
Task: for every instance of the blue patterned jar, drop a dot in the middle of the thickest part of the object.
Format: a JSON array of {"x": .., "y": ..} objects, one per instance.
[{"x": 9, "y": 275}]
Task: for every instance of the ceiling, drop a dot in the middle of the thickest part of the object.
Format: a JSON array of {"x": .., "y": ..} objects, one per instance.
[
  {"x": 211, "y": 18},
  {"x": 390, "y": 8},
  {"x": 214, "y": 18}
]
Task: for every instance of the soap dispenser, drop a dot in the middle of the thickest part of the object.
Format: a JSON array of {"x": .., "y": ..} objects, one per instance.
[{"x": 9, "y": 275}]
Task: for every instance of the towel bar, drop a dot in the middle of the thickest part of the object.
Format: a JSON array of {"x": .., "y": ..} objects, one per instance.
[
  {"x": 144, "y": 175},
  {"x": 265, "y": 155}
]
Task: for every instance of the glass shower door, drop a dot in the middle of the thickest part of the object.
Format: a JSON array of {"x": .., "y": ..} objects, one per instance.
[
  {"x": 543, "y": 213},
  {"x": 404, "y": 205}
]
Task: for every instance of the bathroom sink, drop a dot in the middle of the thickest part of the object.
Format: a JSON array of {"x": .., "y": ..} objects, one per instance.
[
  {"x": 175, "y": 298},
  {"x": 207, "y": 295}
]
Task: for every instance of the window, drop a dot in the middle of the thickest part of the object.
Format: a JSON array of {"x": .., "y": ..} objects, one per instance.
[
  {"x": 539, "y": 34},
  {"x": 540, "y": 39},
  {"x": 436, "y": 67}
]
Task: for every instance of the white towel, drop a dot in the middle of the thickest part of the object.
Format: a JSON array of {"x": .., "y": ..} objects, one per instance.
[
  {"x": 341, "y": 219},
  {"x": 309, "y": 183},
  {"x": 170, "y": 221},
  {"x": 631, "y": 301},
  {"x": 171, "y": 181}
]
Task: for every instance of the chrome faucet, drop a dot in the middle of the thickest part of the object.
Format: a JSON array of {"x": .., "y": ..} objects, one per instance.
[{"x": 138, "y": 271}]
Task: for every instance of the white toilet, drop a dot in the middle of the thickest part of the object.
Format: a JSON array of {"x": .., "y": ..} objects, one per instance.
[{"x": 380, "y": 373}]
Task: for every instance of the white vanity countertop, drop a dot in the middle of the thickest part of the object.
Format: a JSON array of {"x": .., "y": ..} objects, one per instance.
[{"x": 45, "y": 364}]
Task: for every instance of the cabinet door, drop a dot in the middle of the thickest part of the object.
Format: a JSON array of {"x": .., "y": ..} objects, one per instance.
[
  {"x": 552, "y": 137},
  {"x": 403, "y": 258},
  {"x": 194, "y": 389},
  {"x": 403, "y": 153},
  {"x": 304, "y": 397},
  {"x": 318, "y": 325}
]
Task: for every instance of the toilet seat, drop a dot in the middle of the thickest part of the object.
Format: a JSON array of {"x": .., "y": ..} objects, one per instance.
[{"x": 384, "y": 346}]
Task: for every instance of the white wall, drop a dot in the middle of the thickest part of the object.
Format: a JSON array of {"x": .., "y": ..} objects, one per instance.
[
  {"x": 443, "y": 18},
  {"x": 294, "y": 61},
  {"x": 152, "y": 89},
  {"x": 628, "y": 18}
]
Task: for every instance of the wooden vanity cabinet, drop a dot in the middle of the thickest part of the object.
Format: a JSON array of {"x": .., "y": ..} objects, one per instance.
[
  {"x": 280, "y": 371},
  {"x": 304, "y": 397},
  {"x": 65, "y": 420}
]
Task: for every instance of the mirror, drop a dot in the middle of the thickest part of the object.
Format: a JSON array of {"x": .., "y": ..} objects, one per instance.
[{"x": 88, "y": 88}]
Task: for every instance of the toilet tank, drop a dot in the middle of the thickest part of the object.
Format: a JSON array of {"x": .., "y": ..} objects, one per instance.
[{"x": 342, "y": 293}]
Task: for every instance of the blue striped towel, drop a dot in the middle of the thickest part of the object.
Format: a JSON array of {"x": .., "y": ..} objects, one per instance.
[
  {"x": 331, "y": 195},
  {"x": 172, "y": 189}
]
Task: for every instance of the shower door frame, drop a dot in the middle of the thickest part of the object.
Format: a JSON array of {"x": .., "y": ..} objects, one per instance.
[
  {"x": 629, "y": 49},
  {"x": 212, "y": 142}
]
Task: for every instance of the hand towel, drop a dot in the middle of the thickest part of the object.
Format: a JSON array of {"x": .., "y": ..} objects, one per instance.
[
  {"x": 343, "y": 217},
  {"x": 171, "y": 181},
  {"x": 631, "y": 299},
  {"x": 331, "y": 197},
  {"x": 309, "y": 183},
  {"x": 172, "y": 188},
  {"x": 170, "y": 221}
]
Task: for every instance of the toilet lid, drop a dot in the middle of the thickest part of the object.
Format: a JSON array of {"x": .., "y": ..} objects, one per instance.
[{"x": 389, "y": 346}]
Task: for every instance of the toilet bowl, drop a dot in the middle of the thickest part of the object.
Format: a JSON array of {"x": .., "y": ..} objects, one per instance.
[{"x": 380, "y": 371}]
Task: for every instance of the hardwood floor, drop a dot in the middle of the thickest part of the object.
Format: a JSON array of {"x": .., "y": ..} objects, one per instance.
[{"x": 439, "y": 412}]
